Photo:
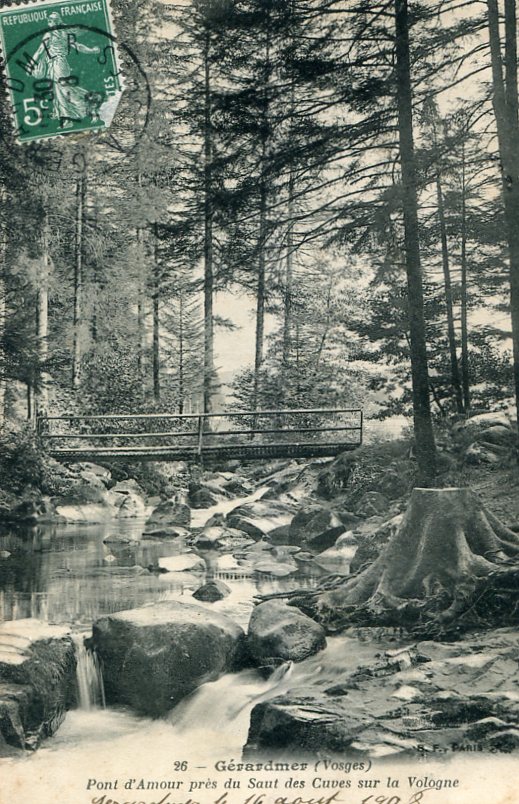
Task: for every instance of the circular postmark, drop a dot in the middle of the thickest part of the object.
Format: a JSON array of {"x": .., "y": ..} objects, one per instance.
[{"x": 74, "y": 86}]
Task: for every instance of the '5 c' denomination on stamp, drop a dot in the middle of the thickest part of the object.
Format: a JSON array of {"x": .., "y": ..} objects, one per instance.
[{"x": 61, "y": 67}]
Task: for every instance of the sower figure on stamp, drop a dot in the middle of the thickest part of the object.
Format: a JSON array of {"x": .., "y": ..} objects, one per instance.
[{"x": 70, "y": 102}]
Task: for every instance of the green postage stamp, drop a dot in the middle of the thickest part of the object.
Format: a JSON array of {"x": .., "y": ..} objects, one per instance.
[{"x": 60, "y": 66}]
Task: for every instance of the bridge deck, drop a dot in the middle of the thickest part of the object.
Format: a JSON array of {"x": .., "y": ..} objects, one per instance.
[{"x": 301, "y": 433}]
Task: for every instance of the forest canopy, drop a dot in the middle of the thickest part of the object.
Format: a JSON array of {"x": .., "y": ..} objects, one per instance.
[{"x": 348, "y": 171}]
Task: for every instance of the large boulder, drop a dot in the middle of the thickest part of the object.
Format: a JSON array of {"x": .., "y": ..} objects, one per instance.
[
  {"x": 278, "y": 633},
  {"x": 166, "y": 533},
  {"x": 484, "y": 420},
  {"x": 212, "y": 591},
  {"x": 280, "y": 535},
  {"x": 37, "y": 679},
  {"x": 349, "y": 519},
  {"x": 250, "y": 527},
  {"x": 339, "y": 557},
  {"x": 306, "y": 725},
  {"x": 202, "y": 498},
  {"x": 275, "y": 561},
  {"x": 93, "y": 474},
  {"x": 478, "y": 453},
  {"x": 260, "y": 517},
  {"x": 216, "y": 519},
  {"x": 169, "y": 514},
  {"x": 156, "y": 655},
  {"x": 499, "y": 435},
  {"x": 84, "y": 503},
  {"x": 254, "y": 552},
  {"x": 185, "y": 562},
  {"x": 90, "y": 514},
  {"x": 372, "y": 503},
  {"x": 282, "y": 481},
  {"x": 15, "y": 701},
  {"x": 93, "y": 480},
  {"x": 278, "y": 569},
  {"x": 219, "y": 537},
  {"x": 129, "y": 498},
  {"x": 315, "y": 528},
  {"x": 132, "y": 506},
  {"x": 238, "y": 487},
  {"x": 412, "y": 699},
  {"x": 119, "y": 539},
  {"x": 129, "y": 486}
]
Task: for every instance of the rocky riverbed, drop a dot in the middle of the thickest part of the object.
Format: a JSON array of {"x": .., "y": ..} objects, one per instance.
[{"x": 172, "y": 589}]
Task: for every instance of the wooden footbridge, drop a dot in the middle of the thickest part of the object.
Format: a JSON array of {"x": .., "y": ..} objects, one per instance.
[{"x": 203, "y": 437}]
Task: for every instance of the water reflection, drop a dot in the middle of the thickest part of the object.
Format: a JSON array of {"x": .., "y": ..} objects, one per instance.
[{"x": 66, "y": 574}]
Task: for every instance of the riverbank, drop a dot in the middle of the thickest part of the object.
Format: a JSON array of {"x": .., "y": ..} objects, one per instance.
[{"x": 221, "y": 541}]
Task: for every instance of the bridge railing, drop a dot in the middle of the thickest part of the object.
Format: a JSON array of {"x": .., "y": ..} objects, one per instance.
[{"x": 199, "y": 433}]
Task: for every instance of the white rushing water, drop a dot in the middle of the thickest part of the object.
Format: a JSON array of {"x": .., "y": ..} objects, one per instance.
[
  {"x": 199, "y": 516},
  {"x": 108, "y": 744},
  {"x": 89, "y": 678},
  {"x": 228, "y": 701},
  {"x": 97, "y": 751},
  {"x": 209, "y": 725},
  {"x": 190, "y": 747},
  {"x": 181, "y": 758}
]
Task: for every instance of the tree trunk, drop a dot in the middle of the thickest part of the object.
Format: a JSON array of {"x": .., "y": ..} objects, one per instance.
[
  {"x": 287, "y": 319},
  {"x": 3, "y": 313},
  {"x": 262, "y": 231},
  {"x": 287, "y": 301},
  {"x": 156, "y": 316},
  {"x": 78, "y": 282},
  {"x": 94, "y": 323},
  {"x": 260, "y": 298},
  {"x": 298, "y": 356},
  {"x": 436, "y": 399},
  {"x": 424, "y": 436},
  {"x": 42, "y": 385},
  {"x": 141, "y": 332},
  {"x": 288, "y": 295},
  {"x": 465, "y": 371},
  {"x": 141, "y": 302},
  {"x": 30, "y": 401},
  {"x": 208, "y": 233},
  {"x": 325, "y": 331},
  {"x": 445, "y": 542},
  {"x": 506, "y": 112},
  {"x": 181, "y": 352},
  {"x": 451, "y": 333}
]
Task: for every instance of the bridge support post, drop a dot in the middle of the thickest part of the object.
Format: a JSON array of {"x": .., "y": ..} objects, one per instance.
[{"x": 41, "y": 424}]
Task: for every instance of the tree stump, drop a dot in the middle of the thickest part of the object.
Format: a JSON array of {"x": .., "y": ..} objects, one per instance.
[{"x": 445, "y": 552}]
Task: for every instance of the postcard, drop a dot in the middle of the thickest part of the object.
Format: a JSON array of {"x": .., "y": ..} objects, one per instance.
[{"x": 259, "y": 339}]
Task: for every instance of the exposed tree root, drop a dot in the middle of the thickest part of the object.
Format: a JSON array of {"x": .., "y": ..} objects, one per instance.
[{"x": 451, "y": 566}]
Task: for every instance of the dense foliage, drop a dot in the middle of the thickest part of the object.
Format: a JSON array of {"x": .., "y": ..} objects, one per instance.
[{"x": 270, "y": 170}]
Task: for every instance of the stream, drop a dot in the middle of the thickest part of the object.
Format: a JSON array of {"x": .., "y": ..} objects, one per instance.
[
  {"x": 193, "y": 745},
  {"x": 61, "y": 574}
]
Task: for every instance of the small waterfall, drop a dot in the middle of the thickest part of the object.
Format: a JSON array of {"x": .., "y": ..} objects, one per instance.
[
  {"x": 228, "y": 701},
  {"x": 89, "y": 678}
]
